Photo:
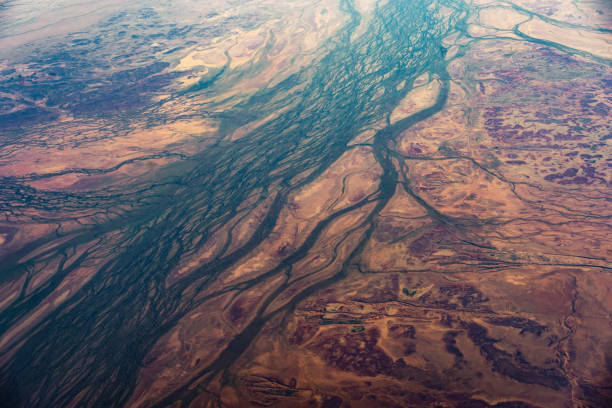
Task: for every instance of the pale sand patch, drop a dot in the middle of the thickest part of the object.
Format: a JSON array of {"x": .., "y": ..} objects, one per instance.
[
  {"x": 61, "y": 298},
  {"x": 364, "y": 137},
  {"x": 24, "y": 324},
  {"x": 501, "y": 18},
  {"x": 421, "y": 80},
  {"x": 584, "y": 12},
  {"x": 284, "y": 44},
  {"x": 104, "y": 153},
  {"x": 249, "y": 127},
  {"x": 451, "y": 39},
  {"x": 598, "y": 44},
  {"x": 451, "y": 53},
  {"x": 480, "y": 31},
  {"x": 70, "y": 285},
  {"x": 308, "y": 206},
  {"x": 485, "y": 2},
  {"x": 209, "y": 58},
  {"x": 416, "y": 100},
  {"x": 185, "y": 82},
  {"x": 45, "y": 19},
  {"x": 365, "y": 9},
  {"x": 247, "y": 44},
  {"x": 9, "y": 291}
]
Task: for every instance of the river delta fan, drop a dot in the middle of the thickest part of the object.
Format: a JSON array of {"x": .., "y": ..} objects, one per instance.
[{"x": 298, "y": 204}]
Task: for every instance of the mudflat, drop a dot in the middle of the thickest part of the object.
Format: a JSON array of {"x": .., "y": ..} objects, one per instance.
[{"x": 306, "y": 204}]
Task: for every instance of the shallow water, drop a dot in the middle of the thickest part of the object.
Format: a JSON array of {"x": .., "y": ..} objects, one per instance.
[{"x": 93, "y": 285}]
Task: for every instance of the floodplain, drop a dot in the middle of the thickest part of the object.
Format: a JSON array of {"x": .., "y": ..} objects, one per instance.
[{"x": 306, "y": 204}]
